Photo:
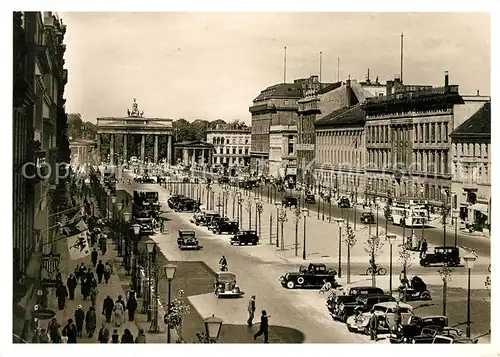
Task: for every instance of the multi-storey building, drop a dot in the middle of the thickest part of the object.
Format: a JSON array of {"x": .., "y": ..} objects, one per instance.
[
  {"x": 407, "y": 140},
  {"x": 340, "y": 151},
  {"x": 231, "y": 144},
  {"x": 39, "y": 121},
  {"x": 471, "y": 168}
]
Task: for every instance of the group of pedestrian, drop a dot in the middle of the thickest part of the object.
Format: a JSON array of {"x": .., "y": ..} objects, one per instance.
[
  {"x": 116, "y": 309},
  {"x": 127, "y": 337},
  {"x": 264, "y": 320}
]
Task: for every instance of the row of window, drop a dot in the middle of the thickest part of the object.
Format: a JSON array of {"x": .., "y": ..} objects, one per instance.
[
  {"x": 339, "y": 157},
  {"x": 476, "y": 173},
  {"x": 335, "y": 138},
  {"x": 429, "y": 161},
  {"x": 425, "y": 132},
  {"x": 229, "y": 160},
  {"x": 471, "y": 150},
  {"x": 234, "y": 151},
  {"x": 222, "y": 141}
]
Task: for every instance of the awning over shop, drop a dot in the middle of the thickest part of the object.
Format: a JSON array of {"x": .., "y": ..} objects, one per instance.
[{"x": 481, "y": 207}]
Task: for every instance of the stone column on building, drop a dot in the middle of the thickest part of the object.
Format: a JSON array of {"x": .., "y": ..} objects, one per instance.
[
  {"x": 155, "y": 155},
  {"x": 203, "y": 155},
  {"x": 143, "y": 147},
  {"x": 112, "y": 149},
  {"x": 98, "y": 139},
  {"x": 125, "y": 148},
  {"x": 169, "y": 149},
  {"x": 185, "y": 156},
  {"x": 443, "y": 169}
]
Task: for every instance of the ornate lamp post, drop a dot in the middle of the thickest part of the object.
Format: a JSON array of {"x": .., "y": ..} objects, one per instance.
[
  {"x": 469, "y": 263},
  {"x": 135, "y": 268},
  {"x": 150, "y": 246},
  {"x": 213, "y": 326},
  {"x": 224, "y": 198},
  {"x": 159, "y": 273},
  {"x": 391, "y": 238},
  {"x": 259, "y": 207},
  {"x": 169, "y": 270},
  {"x": 240, "y": 210},
  {"x": 282, "y": 218},
  {"x": 456, "y": 216},
  {"x": 305, "y": 213},
  {"x": 249, "y": 210},
  {"x": 340, "y": 222},
  {"x": 119, "y": 207},
  {"x": 296, "y": 218},
  {"x": 278, "y": 205},
  {"x": 126, "y": 258}
]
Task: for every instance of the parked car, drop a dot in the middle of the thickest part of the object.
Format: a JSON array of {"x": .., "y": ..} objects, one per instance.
[
  {"x": 386, "y": 317},
  {"x": 215, "y": 222},
  {"x": 187, "y": 205},
  {"x": 344, "y": 202},
  {"x": 312, "y": 276},
  {"x": 208, "y": 217},
  {"x": 225, "y": 226},
  {"x": 363, "y": 304},
  {"x": 416, "y": 291},
  {"x": 289, "y": 202},
  {"x": 309, "y": 199},
  {"x": 449, "y": 256},
  {"x": 146, "y": 224},
  {"x": 187, "y": 240},
  {"x": 428, "y": 334},
  {"x": 225, "y": 285},
  {"x": 367, "y": 218},
  {"x": 415, "y": 326},
  {"x": 245, "y": 238},
  {"x": 334, "y": 302}
]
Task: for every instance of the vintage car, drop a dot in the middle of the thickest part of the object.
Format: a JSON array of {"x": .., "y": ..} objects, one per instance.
[
  {"x": 334, "y": 301},
  {"x": 214, "y": 222},
  {"x": 289, "y": 202},
  {"x": 245, "y": 238},
  {"x": 146, "y": 224},
  {"x": 208, "y": 216},
  {"x": 312, "y": 276},
  {"x": 225, "y": 285},
  {"x": 309, "y": 199},
  {"x": 197, "y": 217},
  {"x": 186, "y": 204},
  {"x": 344, "y": 202},
  {"x": 174, "y": 200},
  {"x": 453, "y": 339},
  {"x": 428, "y": 334},
  {"x": 367, "y": 218},
  {"x": 226, "y": 226},
  {"x": 363, "y": 303},
  {"x": 386, "y": 317},
  {"x": 416, "y": 325},
  {"x": 187, "y": 240},
  {"x": 416, "y": 291},
  {"x": 449, "y": 256}
]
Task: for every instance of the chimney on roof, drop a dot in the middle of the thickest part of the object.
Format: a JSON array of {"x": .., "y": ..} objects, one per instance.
[
  {"x": 348, "y": 92},
  {"x": 446, "y": 81},
  {"x": 477, "y": 93},
  {"x": 368, "y": 76},
  {"x": 388, "y": 87}
]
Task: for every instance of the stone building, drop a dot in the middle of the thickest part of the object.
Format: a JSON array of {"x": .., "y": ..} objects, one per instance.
[
  {"x": 407, "y": 139},
  {"x": 471, "y": 168},
  {"x": 39, "y": 141},
  {"x": 231, "y": 145}
]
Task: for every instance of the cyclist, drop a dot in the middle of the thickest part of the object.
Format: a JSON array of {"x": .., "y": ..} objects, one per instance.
[{"x": 223, "y": 263}]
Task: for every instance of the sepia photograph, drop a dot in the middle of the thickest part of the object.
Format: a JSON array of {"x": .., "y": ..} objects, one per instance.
[{"x": 251, "y": 177}]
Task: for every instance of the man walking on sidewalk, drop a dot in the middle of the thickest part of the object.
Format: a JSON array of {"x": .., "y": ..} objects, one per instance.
[
  {"x": 79, "y": 318},
  {"x": 103, "y": 334},
  {"x": 71, "y": 283},
  {"x": 62, "y": 294},
  {"x": 251, "y": 311},
  {"x": 107, "y": 272},
  {"x": 93, "y": 257},
  {"x": 107, "y": 308},
  {"x": 264, "y": 327},
  {"x": 99, "y": 271}
]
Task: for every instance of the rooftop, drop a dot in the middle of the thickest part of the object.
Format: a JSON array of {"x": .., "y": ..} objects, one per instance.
[
  {"x": 282, "y": 90},
  {"x": 352, "y": 115},
  {"x": 478, "y": 125}
]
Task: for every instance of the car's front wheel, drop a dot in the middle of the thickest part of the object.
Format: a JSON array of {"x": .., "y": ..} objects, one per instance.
[{"x": 290, "y": 284}]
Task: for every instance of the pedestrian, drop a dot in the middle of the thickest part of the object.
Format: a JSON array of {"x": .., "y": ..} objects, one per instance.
[
  {"x": 85, "y": 288},
  {"x": 131, "y": 306},
  {"x": 103, "y": 336},
  {"x": 423, "y": 249},
  {"x": 90, "y": 321},
  {"x": 251, "y": 311},
  {"x": 118, "y": 311},
  {"x": 79, "y": 318},
  {"x": 99, "y": 271},
  {"x": 127, "y": 337},
  {"x": 58, "y": 276},
  {"x": 107, "y": 272},
  {"x": 372, "y": 323},
  {"x": 107, "y": 308},
  {"x": 93, "y": 257},
  {"x": 53, "y": 328},
  {"x": 62, "y": 294},
  {"x": 93, "y": 294},
  {"x": 264, "y": 327},
  {"x": 102, "y": 244},
  {"x": 115, "y": 338},
  {"x": 141, "y": 338},
  {"x": 71, "y": 283},
  {"x": 70, "y": 331},
  {"x": 76, "y": 272},
  {"x": 89, "y": 275},
  {"x": 81, "y": 272}
]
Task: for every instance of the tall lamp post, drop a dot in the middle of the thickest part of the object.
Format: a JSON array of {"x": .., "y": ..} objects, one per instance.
[
  {"x": 278, "y": 205},
  {"x": 150, "y": 246},
  {"x": 456, "y": 216},
  {"x": 170, "y": 274},
  {"x": 296, "y": 218},
  {"x": 213, "y": 326},
  {"x": 391, "y": 238},
  {"x": 282, "y": 218},
  {"x": 249, "y": 210},
  {"x": 305, "y": 213},
  {"x": 340, "y": 222},
  {"x": 126, "y": 258},
  {"x": 224, "y": 198},
  {"x": 159, "y": 273},
  {"x": 259, "y": 207},
  {"x": 239, "y": 209},
  {"x": 469, "y": 263},
  {"x": 135, "y": 269},
  {"x": 119, "y": 207}
]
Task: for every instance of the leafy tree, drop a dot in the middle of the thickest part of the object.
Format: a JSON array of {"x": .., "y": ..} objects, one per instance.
[
  {"x": 350, "y": 240},
  {"x": 373, "y": 246},
  {"x": 175, "y": 315}
]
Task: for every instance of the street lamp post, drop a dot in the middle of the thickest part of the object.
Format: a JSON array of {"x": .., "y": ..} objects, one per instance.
[
  {"x": 469, "y": 263},
  {"x": 305, "y": 213},
  {"x": 213, "y": 326},
  {"x": 340, "y": 222},
  {"x": 239, "y": 209},
  {"x": 391, "y": 238},
  {"x": 150, "y": 246},
  {"x": 297, "y": 213},
  {"x": 169, "y": 270},
  {"x": 119, "y": 207},
  {"x": 259, "y": 207},
  {"x": 135, "y": 269},
  {"x": 126, "y": 258},
  {"x": 330, "y": 206},
  {"x": 456, "y": 216},
  {"x": 282, "y": 219},
  {"x": 278, "y": 205},
  {"x": 249, "y": 210}
]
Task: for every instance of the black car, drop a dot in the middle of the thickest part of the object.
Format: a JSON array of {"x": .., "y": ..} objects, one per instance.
[
  {"x": 367, "y": 218},
  {"x": 187, "y": 240},
  {"x": 344, "y": 202},
  {"x": 312, "y": 276},
  {"x": 334, "y": 302},
  {"x": 443, "y": 256},
  {"x": 174, "y": 200},
  {"x": 245, "y": 238},
  {"x": 289, "y": 202},
  {"x": 363, "y": 303},
  {"x": 230, "y": 227},
  {"x": 146, "y": 224},
  {"x": 186, "y": 204},
  {"x": 310, "y": 199},
  {"x": 417, "y": 326},
  {"x": 428, "y": 334}
]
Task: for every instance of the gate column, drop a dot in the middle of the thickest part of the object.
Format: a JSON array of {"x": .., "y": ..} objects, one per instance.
[
  {"x": 155, "y": 156},
  {"x": 143, "y": 147},
  {"x": 112, "y": 150},
  {"x": 169, "y": 150},
  {"x": 125, "y": 146}
]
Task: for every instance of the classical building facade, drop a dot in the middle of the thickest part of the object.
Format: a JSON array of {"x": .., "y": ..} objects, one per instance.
[
  {"x": 407, "y": 140},
  {"x": 39, "y": 121},
  {"x": 83, "y": 151},
  {"x": 340, "y": 151},
  {"x": 194, "y": 153},
  {"x": 471, "y": 168},
  {"x": 231, "y": 145},
  {"x": 132, "y": 126}
]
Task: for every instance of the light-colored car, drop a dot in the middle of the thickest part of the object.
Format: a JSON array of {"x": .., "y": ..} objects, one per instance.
[
  {"x": 386, "y": 314},
  {"x": 225, "y": 285}
]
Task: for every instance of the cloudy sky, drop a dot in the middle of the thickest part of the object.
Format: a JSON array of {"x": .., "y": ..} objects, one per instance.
[{"x": 211, "y": 65}]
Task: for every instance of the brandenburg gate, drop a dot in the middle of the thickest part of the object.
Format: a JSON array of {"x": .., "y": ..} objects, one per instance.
[{"x": 135, "y": 124}]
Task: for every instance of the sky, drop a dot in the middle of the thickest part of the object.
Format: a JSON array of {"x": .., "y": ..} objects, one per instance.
[{"x": 212, "y": 65}]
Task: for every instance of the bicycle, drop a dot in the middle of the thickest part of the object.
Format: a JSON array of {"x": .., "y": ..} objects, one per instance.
[{"x": 378, "y": 270}]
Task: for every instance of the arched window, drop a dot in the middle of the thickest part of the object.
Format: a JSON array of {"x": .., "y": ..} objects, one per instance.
[{"x": 214, "y": 140}]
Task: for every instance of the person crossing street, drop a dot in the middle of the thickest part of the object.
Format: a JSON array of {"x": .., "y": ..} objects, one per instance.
[{"x": 251, "y": 311}]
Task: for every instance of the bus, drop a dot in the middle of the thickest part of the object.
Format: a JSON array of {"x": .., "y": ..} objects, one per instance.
[{"x": 409, "y": 215}]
